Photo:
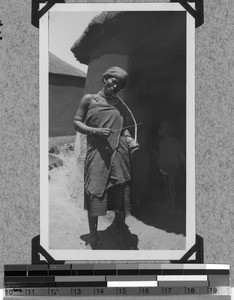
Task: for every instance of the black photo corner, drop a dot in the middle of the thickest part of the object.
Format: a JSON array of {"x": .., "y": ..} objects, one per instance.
[
  {"x": 196, "y": 249},
  {"x": 197, "y": 13}
]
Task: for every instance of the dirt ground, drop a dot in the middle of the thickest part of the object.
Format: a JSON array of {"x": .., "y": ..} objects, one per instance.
[{"x": 150, "y": 228}]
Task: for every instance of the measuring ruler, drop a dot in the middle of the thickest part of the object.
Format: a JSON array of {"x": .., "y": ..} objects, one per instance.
[{"x": 140, "y": 280}]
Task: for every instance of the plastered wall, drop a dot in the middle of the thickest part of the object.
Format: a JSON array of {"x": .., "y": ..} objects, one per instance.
[{"x": 19, "y": 131}]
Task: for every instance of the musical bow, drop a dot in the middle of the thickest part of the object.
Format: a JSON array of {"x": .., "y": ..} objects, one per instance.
[{"x": 129, "y": 110}]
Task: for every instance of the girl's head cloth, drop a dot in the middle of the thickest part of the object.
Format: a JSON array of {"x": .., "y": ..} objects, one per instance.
[{"x": 117, "y": 73}]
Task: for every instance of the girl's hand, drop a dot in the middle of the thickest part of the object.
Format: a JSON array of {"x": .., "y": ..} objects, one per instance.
[
  {"x": 102, "y": 132},
  {"x": 134, "y": 146}
]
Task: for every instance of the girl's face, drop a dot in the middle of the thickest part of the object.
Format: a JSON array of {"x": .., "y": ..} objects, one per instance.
[{"x": 111, "y": 86}]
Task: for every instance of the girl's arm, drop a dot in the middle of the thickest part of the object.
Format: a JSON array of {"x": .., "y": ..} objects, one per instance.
[
  {"x": 130, "y": 141},
  {"x": 79, "y": 124}
]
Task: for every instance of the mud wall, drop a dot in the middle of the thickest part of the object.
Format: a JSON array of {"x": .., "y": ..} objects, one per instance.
[{"x": 65, "y": 93}]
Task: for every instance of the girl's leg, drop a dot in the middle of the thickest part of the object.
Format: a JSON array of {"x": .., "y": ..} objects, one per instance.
[
  {"x": 93, "y": 223},
  {"x": 121, "y": 227},
  {"x": 119, "y": 194},
  {"x": 121, "y": 198},
  {"x": 120, "y": 220}
]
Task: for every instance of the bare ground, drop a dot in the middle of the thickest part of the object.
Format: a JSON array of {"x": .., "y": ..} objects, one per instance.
[{"x": 68, "y": 226}]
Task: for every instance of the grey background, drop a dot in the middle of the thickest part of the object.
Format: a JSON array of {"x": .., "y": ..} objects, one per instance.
[{"x": 19, "y": 131}]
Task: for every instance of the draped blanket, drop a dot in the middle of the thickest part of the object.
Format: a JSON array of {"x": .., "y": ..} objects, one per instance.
[{"x": 107, "y": 161}]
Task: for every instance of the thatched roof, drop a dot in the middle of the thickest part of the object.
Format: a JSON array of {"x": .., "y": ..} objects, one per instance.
[
  {"x": 95, "y": 31},
  {"x": 120, "y": 32},
  {"x": 58, "y": 66}
]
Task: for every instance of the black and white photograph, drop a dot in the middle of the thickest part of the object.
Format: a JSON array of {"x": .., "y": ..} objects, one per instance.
[{"x": 117, "y": 137}]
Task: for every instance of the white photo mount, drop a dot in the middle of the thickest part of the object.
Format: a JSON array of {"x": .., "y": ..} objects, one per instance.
[{"x": 126, "y": 255}]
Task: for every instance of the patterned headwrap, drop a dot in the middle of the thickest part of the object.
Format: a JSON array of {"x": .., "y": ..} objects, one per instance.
[{"x": 117, "y": 73}]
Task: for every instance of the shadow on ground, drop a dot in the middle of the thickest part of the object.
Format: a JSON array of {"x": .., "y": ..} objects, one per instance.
[
  {"x": 152, "y": 209},
  {"x": 155, "y": 214},
  {"x": 109, "y": 239}
]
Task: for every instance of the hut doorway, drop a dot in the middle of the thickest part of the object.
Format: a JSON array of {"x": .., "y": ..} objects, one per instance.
[{"x": 157, "y": 93}]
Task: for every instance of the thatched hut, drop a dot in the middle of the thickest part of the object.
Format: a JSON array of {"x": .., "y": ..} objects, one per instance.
[
  {"x": 66, "y": 88},
  {"x": 151, "y": 47}
]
